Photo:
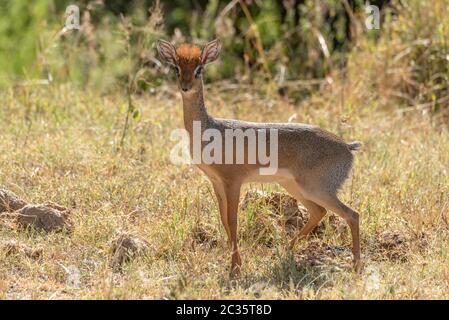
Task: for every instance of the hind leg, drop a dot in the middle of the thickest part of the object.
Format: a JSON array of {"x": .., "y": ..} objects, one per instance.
[
  {"x": 316, "y": 212},
  {"x": 331, "y": 202}
]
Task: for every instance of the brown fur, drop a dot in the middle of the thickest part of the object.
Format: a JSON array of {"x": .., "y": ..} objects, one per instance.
[
  {"x": 189, "y": 57},
  {"x": 188, "y": 53},
  {"x": 313, "y": 163}
]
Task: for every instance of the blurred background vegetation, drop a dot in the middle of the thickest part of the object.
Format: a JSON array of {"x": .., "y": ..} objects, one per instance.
[{"x": 297, "y": 46}]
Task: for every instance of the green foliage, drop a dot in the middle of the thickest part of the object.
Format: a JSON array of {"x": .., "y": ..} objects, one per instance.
[
  {"x": 409, "y": 63},
  {"x": 262, "y": 40},
  {"x": 21, "y": 22},
  {"x": 269, "y": 34}
]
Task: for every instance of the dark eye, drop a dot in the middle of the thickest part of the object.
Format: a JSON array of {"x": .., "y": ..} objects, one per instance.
[
  {"x": 198, "y": 72},
  {"x": 177, "y": 71}
]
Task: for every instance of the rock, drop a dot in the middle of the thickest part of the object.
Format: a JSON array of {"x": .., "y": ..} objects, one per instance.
[
  {"x": 44, "y": 217},
  {"x": 10, "y": 202},
  {"x": 125, "y": 247}
]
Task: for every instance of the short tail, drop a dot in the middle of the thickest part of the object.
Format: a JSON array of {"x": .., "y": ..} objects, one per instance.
[{"x": 354, "y": 146}]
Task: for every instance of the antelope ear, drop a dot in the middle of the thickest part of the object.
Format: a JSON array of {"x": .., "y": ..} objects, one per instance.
[
  {"x": 211, "y": 51},
  {"x": 167, "y": 52}
]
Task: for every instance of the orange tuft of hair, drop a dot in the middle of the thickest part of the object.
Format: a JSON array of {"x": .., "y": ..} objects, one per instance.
[{"x": 188, "y": 52}]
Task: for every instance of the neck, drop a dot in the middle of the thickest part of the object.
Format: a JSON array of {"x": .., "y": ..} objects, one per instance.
[{"x": 194, "y": 109}]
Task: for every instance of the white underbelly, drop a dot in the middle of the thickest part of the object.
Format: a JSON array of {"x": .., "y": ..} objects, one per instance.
[{"x": 282, "y": 175}]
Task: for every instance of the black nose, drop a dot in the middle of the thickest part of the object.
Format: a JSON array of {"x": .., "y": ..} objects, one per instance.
[{"x": 184, "y": 89}]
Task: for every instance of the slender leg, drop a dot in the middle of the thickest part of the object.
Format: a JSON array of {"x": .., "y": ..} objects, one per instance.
[
  {"x": 222, "y": 205},
  {"x": 352, "y": 218},
  {"x": 232, "y": 196},
  {"x": 331, "y": 202},
  {"x": 316, "y": 212}
]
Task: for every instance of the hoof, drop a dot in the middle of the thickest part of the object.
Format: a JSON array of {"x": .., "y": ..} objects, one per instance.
[
  {"x": 236, "y": 264},
  {"x": 358, "y": 266}
]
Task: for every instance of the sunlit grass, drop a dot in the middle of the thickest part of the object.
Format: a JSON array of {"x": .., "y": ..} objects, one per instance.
[{"x": 59, "y": 144}]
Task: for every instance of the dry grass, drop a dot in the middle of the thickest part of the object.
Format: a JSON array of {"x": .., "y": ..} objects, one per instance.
[{"x": 59, "y": 144}]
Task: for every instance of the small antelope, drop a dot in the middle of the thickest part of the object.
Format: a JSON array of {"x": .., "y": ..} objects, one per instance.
[{"x": 312, "y": 163}]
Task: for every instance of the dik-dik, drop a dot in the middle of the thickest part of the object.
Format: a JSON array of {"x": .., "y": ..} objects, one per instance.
[{"x": 312, "y": 163}]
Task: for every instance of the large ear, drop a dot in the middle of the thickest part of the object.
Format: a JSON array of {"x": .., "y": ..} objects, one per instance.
[
  {"x": 167, "y": 52},
  {"x": 211, "y": 51}
]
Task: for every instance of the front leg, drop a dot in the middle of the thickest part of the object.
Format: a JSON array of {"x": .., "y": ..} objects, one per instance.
[
  {"x": 222, "y": 206},
  {"x": 232, "y": 197}
]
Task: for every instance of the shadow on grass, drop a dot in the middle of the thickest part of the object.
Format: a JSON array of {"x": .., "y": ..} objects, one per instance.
[{"x": 295, "y": 271}]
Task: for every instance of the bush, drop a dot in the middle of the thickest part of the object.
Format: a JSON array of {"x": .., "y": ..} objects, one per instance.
[{"x": 409, "y": 63}]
